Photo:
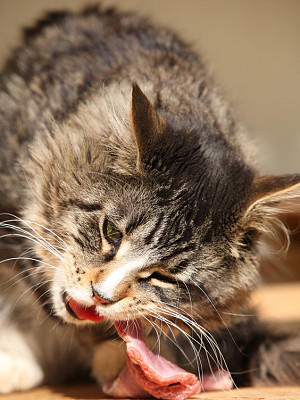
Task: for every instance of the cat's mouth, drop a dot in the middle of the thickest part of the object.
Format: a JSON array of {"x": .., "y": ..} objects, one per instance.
[
  {"x": 145, "y": 373},
  {"x": 80, "y": 311}
]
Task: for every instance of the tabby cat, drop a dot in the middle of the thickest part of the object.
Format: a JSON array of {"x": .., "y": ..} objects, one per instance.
[{"x": 129, "y": 192}]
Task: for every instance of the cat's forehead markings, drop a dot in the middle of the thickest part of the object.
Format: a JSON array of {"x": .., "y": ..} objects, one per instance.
[
  {"x": 121, "y": 272},
  {"x": 123, "y": 250}
]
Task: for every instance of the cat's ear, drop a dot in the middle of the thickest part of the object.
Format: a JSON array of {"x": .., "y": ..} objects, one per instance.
[
  {"x": 278, "y": 193},
  {"x": 274, "y": 208},
  {"x": 147, "y": 126}
]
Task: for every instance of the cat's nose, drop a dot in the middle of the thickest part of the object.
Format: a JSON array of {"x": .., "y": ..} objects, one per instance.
[{"x": 99, "y": 298}]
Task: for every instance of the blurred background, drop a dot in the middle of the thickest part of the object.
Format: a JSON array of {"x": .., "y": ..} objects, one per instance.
[{"x": 252, "y": 47}]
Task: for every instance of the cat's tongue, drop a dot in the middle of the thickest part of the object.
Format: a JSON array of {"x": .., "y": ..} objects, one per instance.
[
  {"x": 84, "y": 312},
  {"x": 148, "y": 373}
]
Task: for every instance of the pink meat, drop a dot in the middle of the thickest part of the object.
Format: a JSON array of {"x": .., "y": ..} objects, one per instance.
[
  {"x": 148, "y": 373},
  {"x": 124, "y": 386},
  {"x": 151, "y": 373}
]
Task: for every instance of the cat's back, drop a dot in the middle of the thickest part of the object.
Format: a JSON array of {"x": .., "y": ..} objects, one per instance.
[{"x": 68, "y": 57}]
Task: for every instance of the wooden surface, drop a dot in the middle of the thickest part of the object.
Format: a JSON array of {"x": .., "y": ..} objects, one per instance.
[
  {"x": 91, "y": 392},
  {"x": 279, "y": 303}
]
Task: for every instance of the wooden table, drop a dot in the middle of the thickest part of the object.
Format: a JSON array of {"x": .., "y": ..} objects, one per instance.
[{"x": 279, "y": 303}]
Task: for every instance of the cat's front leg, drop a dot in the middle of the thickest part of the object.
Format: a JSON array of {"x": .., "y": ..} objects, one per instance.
[
  {"x": 19, "y": 369},
  {"x": 109, "y": 358}
]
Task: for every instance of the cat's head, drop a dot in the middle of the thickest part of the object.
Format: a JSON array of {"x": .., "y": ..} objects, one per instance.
[{"x": 142, "y": 218}]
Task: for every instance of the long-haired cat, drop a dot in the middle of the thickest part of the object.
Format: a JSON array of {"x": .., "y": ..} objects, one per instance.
[{"x": 128, "y": 193}]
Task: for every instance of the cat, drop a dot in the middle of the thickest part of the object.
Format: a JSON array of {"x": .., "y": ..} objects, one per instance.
[{"x": 127, "y": 188}]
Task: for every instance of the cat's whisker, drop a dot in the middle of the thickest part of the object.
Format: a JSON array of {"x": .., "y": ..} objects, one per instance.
[
  {"x": 213, "y": 344},
  {"x": 238, "y": 314},
  {"x": 173, "y": 341},
  {"x": 23, "y": 229},
  {"x": 19, "y": 280},
  {"x": 42, "y": 295},
  {"x": 50, "y": 267},
  {"x": 190, "y": 297},
  {"x": 189, "y": 322},
  {"x": 15, "y": 276},
  {"x": 189, "y": 338},
  {"x": 29, "y": 222},
  {"x": 40, "y": 238},
  {"x": 179, "y": 316},
  {"x": 176, "y": 326},
  {"x": 219, "y": 359},
  {"x": 197, "y": 352},
  {"x": 158, "y": 333},
  {"x": 196, "y": 328},
  {"x": 29, "y": 259},
  {"x": 165, "y": 334},
  {"x": 219, "y": 315},
  {"x": 26, "y": 252},
  {"x": 25, "y": 226},
  {"x": 32, "y": 238},
  {"x": 34, "y": 288}
]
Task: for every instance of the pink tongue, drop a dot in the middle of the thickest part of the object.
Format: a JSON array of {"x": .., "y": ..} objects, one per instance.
[
  {"x": 151, "y": 373},
  {"x": 83, "y": 312}
]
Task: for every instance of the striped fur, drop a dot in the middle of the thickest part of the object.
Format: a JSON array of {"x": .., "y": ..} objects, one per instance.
[{"x": 105, "y": 118}]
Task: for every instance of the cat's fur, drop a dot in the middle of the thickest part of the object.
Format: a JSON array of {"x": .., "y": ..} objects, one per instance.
[{"x": 79, "y": 143}]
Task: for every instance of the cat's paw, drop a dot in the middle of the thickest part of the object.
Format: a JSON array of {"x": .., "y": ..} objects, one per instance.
[
  {"x": 277, "y": 362},
  {"x": 17, "y": 374},
  {"x": 109, "y": 359}
]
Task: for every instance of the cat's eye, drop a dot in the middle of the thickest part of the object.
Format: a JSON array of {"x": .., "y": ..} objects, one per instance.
[
  {"x": 111, "y": 233},
  {"x": 159, "y": 277},
  {"x": 162, "y": 278}
]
